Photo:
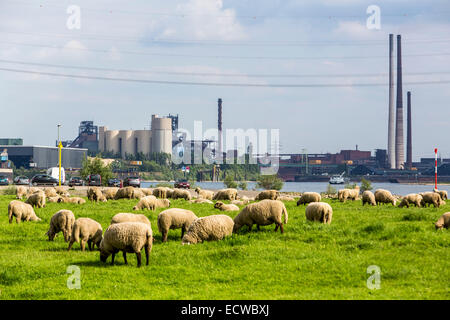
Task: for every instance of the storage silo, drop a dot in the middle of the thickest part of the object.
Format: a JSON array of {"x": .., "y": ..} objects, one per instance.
[
  {"x": 161, "y": 134},
  {"x": 126, "y": 142},
  {"x": 142, "y": 141},
  {"x": 112, "y": 141}
]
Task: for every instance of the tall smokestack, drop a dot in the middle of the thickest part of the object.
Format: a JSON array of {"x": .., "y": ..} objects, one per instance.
[
  {"x": 409, "y": 133},
  {"x": 391, "y": 121},
  {"x": 399, "y": 143},
  {"x": 219, "y": 126}
]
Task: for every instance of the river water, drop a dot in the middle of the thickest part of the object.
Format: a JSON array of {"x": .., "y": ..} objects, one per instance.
[{"x": 395, "y": 188}]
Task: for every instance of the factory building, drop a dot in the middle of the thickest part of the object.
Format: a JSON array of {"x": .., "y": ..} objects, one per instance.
[{"x": 157, "y": 139}]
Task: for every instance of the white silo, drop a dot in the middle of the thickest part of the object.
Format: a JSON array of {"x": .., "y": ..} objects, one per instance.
[
  {"x": 161, "y": 134},
  {"x": 112, "y": 141},
  {"x": 142, "y": 141}
]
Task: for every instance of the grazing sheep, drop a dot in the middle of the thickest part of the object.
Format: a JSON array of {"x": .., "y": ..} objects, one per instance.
[
  {"x": 210, "y": 228},
  {"x": 205, "y": 194},
  {"x": 239, "y": 202},
  {"x": 129, "y": 217},
  {"x": 86, "y": 230},
  {"x": 62, "y": 221},
  {"x": 37, "y": 199},
  {"x": 76, "y": 200},
  {"x": 174, "y": 218},
  {"x": 201, "y": 200},
  {"x": 22, "y": 211},
  {"x": 128, "y": 237},
  {"x": 148, "y": 202},
  {"x": 384, "y": 196},
  {"x": 369, "y": 198},
  {"x": 54, "y": 199},
  {"x": 32, "y": 190},
  {"x": 412, "y": 198},
  {"x": 147, "y": 191},
  {"x": 110, "y": 193},
  {"x": 138, "y": 193},
  {"x": 50, "y": 192},
  {"x": 95, "y": 194},
  {"x": 443, "y": 221},
  {"x": 62, "y": 191},
  {"x": 124, "y": 193},
  {"x": 285, "y": 198},
  {"x": 162, "y": 192},
  {"x": 181, "y": 194},
  {"x": 267, "y": 194},
  {"x": 351, "y": 194},
  {"x": 262, "y": 213},
  {"x": 442, "y": 193},
  {"x": 21, "y": 192},
  {"x": 226, "y": 207},
  {"x": 431, "y": 198},
  {"x": 319, "y": 211},
  {"x": 308, "y": 197},
  {"x": 162, "y": 203},
  {"x": 226, "y": 194}
]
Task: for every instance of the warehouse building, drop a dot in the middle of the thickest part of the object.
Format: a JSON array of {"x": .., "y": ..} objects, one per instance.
[{"x": 42, "y": 157}]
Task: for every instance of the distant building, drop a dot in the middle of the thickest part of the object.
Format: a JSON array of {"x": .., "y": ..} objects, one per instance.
[
  {"x": 87, "y": 137},
  {"x": 11, "y": 141},
  {"x": 123, "y": 142}
]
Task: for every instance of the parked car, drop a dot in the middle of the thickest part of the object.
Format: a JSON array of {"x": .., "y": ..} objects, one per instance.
[
  {"x": 44, "y": 179},
  {"x": 114, "y": 183},
  {"x": 94, "y": 180},
  {"x": 21, "y": 180},
  {"x": 183, "y": 184},
  {"x": 132, "y": 182},
  {"x": 76, "y": 181},
  {"x": 4, "y": 181}
]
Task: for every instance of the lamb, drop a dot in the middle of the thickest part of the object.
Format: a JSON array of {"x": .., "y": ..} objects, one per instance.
[
  {"x": 215, "y": 227},
  {"x": 442, "y": 193},
  {"x": 226, "y": 194},
  {"x": 37, "y": 199},
  {"x": 351, "y": 194},
  {"x": 95, "y": 194},
  {"x": 22, "y": 211},
  {"x": 267, "y": 194},
  {"x": 181, "y": 194},
  {"x": 204, "y": 194},
  {"x": 226, "y": 207},
  {"x": 369, "y": 198},
  {"x": 110, "y": 193},
  {"x": 128, "y": 237},
  {"x": 21, "y": 192},
  {"x": 443, "y": 221},
  {"x": 129, "y": 217},
  {"x": 148, "y": 202},
  {"x": 262, "y": 213},
  {"x": 124, "y": 193},
  {"x": 308, "y": 197},
  {"x": 412, "y": 198},
  {"x": 174, "y": 218},
  {"x": 201, "y": 200},
  {"x": 431, "y": 198},
  {"x": 384, "y": 196},
  {"x": 319, "y": 211},
  {"x": 62, "y": 221},
  {"x": 86, "y": 230},
  {"x": 76, "y": 200}
]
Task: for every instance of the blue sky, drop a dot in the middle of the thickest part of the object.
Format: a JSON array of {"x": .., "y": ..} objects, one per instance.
[{"x": 246, "y": 42}]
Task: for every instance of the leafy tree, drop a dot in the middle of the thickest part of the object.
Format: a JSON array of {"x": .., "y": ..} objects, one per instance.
[
  {"x": 229, "y": 182},
  {"x": 95, "y": 166},
  {"x": 269, "y": 182},
  {"x": 243, "y": 185},
  {"x": 365, "y": 185}
]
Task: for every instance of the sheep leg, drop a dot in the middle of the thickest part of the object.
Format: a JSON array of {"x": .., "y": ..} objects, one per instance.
[
  {"x": 147, "y": 253},
  {"x": 70, "y": 245},
  {"x": 125, "y": 257},
  {"x": 276, "y": 227},
  {"x": 89, "y": 245},
  {"x": 83, "y": 244},
  {"x": 139, "y": 259},
  {"x": 250, "y": 226},
  {"x": 182, "y": 231},
  {"x": 112, "y": 258},
  {"x": 164, "y": 236}
]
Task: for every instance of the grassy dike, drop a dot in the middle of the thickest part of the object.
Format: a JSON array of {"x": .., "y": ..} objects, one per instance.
[{"x": 309, "y": 261}]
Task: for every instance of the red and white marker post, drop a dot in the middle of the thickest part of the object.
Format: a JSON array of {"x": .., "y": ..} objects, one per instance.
[{"x": 435, "y": 168}]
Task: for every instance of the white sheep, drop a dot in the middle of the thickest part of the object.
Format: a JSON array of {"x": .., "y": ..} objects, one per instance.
[
  {"x": 175, "y": 218},
  {"x": 181, "y": 194},
  {"x": 62, "y": 221},
  {"x": 86, "y": 230},
  {"x": 128, "y": 237},
  {"x": 267, "y": 194},
  {"x": 409, "y": 199},
  {"x": 308, "y": 197},
  {"x": 205, "y": 194},
  {"x": 209, "y": 228},
  {"x": 22, "y": 211},
  {"x": 37, "y": 199},
  {"x": 226, "y": 207},
  {"x": 443, "y": 221},
  {"x": 442, "y": 193},
  {"x": 21, "y": 192},
  {"x": 384, "y": 196},
  {"x": 148, "y": 202},
  {"x": 369, "y": 198},
  {"x": 431, "y": 198},
  {"x": 129, "y": 217},
  {"x": 262, "y": 213},
  {"x": 319, "y": 211},
  {"x": 226, "y": 194}
]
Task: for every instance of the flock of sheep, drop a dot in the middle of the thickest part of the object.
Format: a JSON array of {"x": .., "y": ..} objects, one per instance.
[{"x": 130, "y": 232}]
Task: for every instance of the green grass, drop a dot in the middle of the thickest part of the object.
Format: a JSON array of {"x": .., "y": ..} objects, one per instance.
[{"x": 309, "y": 261}]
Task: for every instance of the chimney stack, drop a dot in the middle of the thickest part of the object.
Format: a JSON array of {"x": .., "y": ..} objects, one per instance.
[
  {"x": 399, "y": 143},
  {"x": 409, "y": 133},
  {"x": 391, "y": 121},
  {"x": 219, "y": 127}
]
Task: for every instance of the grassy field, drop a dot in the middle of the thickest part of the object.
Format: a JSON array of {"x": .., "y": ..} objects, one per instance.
[{"x": 309, "y": 261}]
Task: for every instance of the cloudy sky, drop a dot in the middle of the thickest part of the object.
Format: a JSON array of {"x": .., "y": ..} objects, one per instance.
[{"x": 297, "y": 66}]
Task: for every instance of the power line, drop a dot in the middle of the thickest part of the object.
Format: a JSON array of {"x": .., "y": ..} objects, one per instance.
[
  {"x": 225, "y": 57},
  {"x": 216, "y": 74},
  {"x": 340, "y": 85}
]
